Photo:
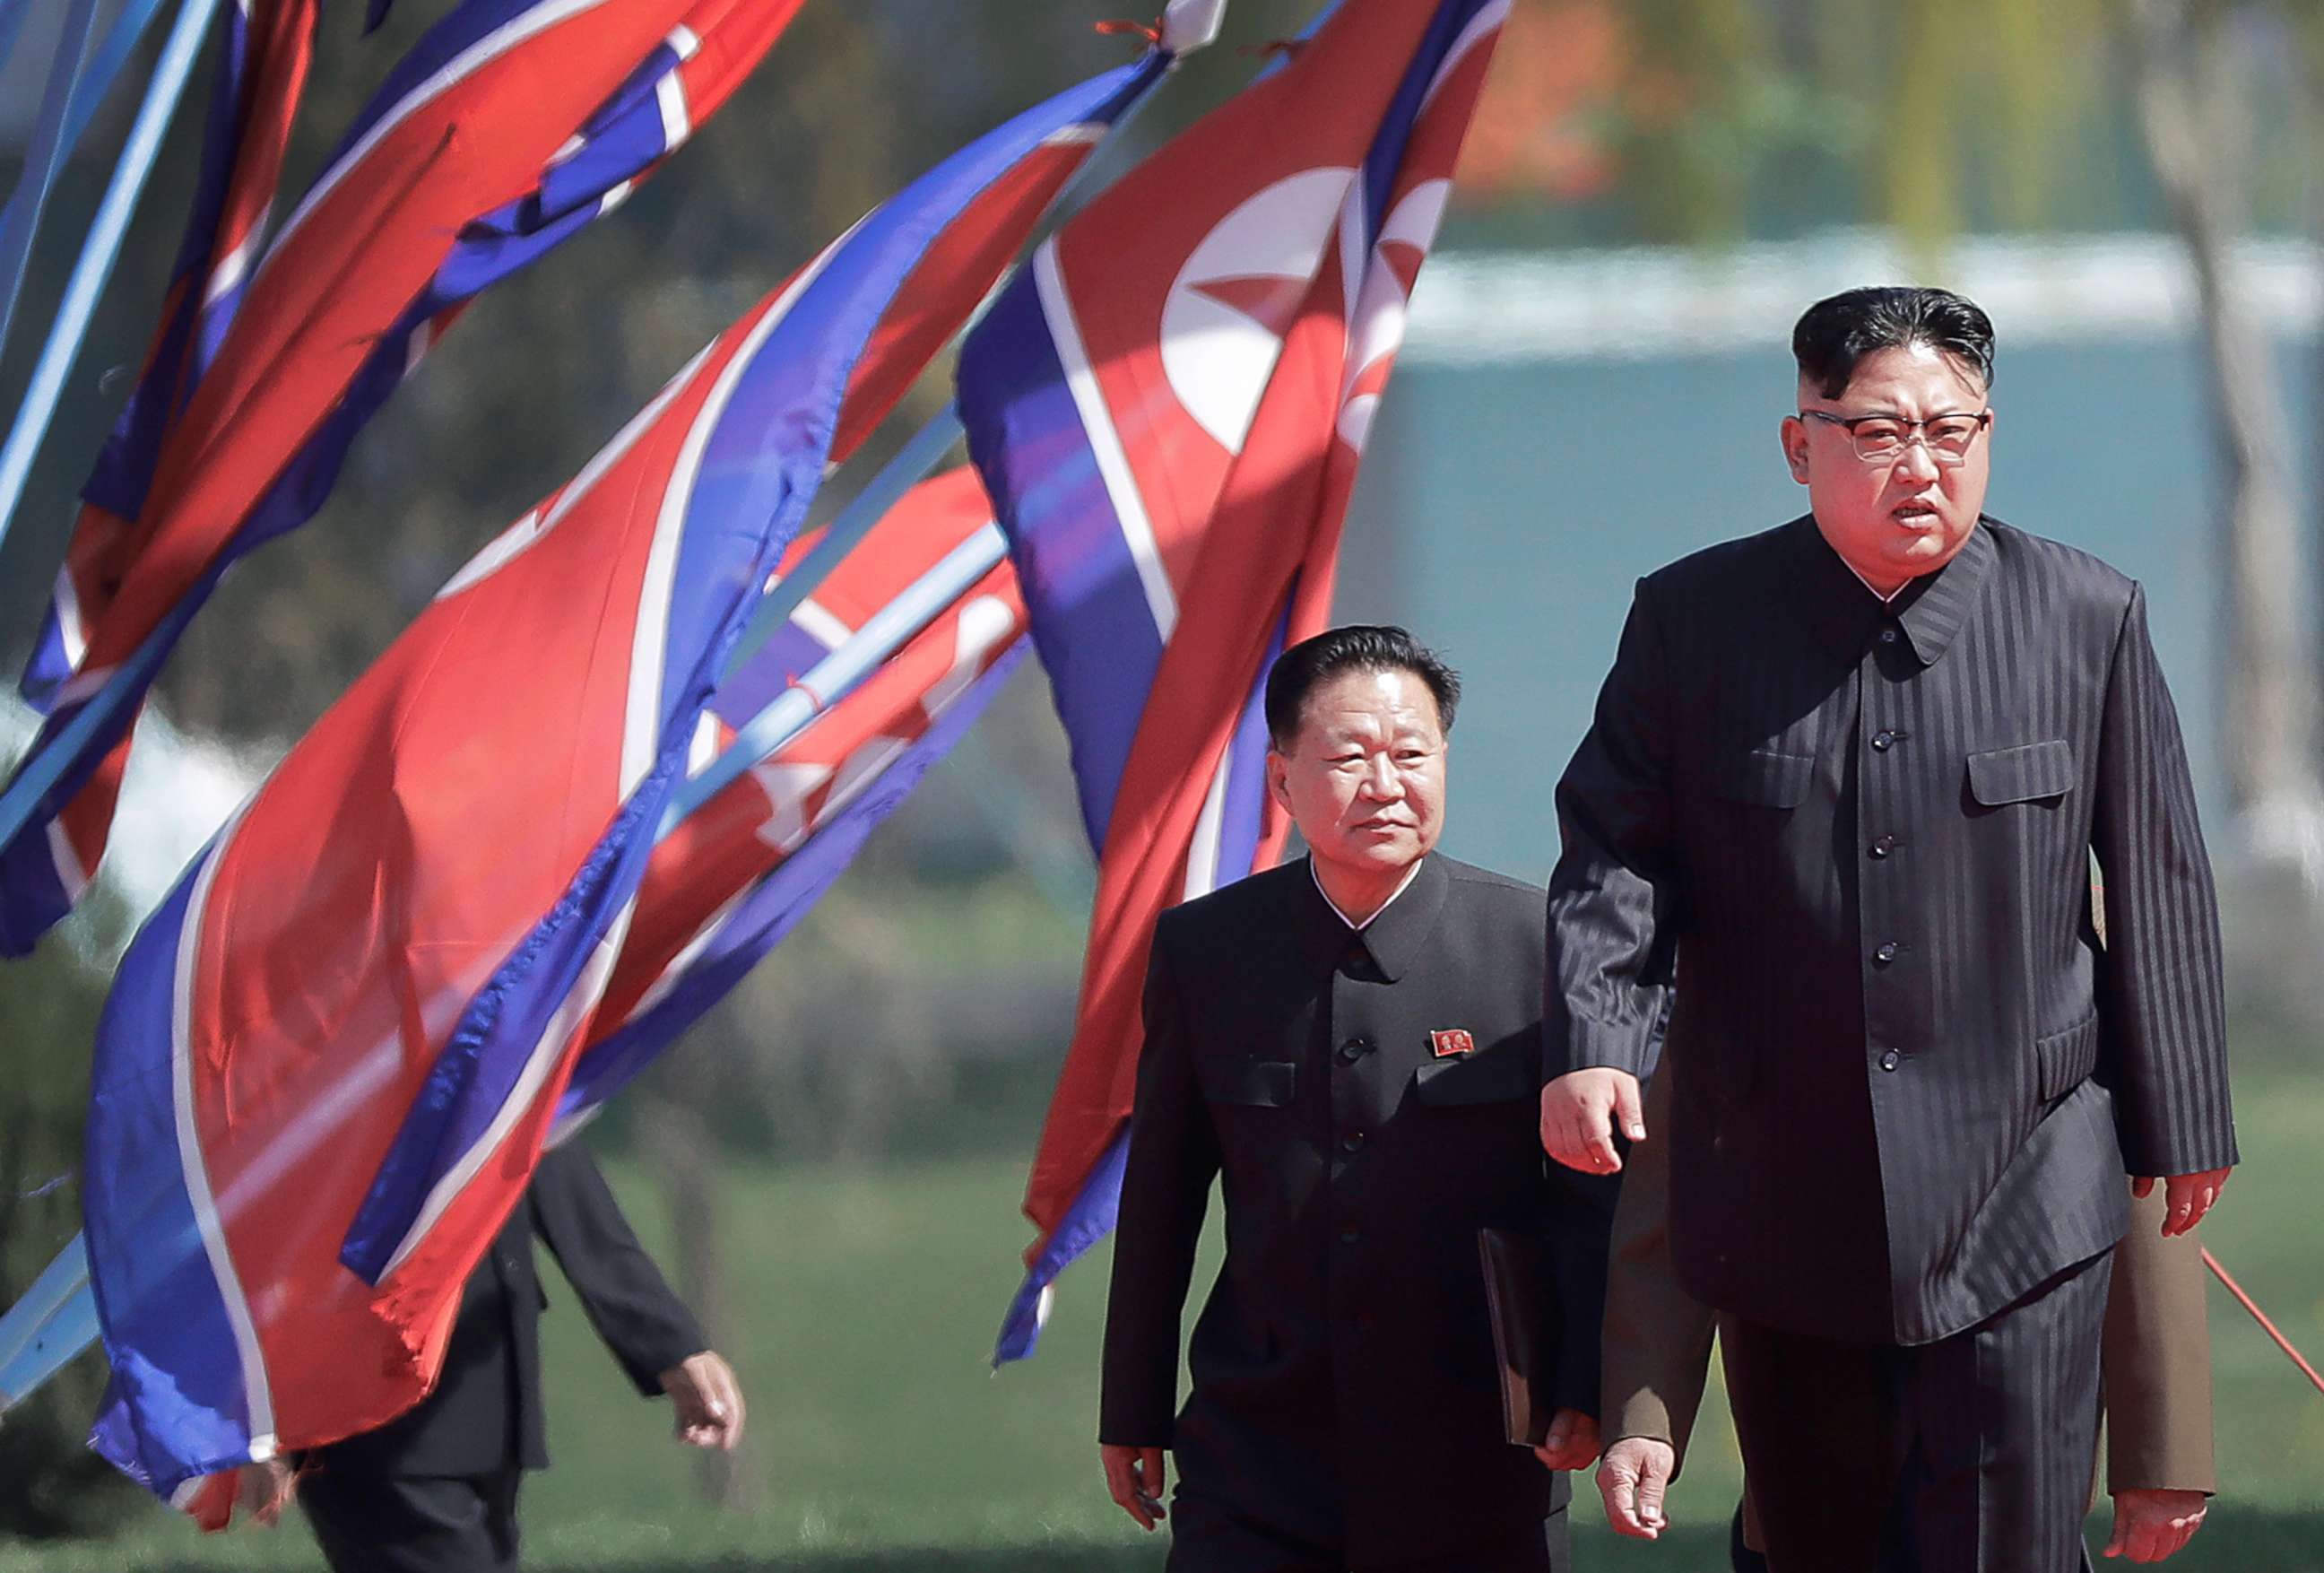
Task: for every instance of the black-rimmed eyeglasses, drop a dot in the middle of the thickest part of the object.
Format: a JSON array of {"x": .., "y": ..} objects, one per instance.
[{"x": 1878, "y": 438}]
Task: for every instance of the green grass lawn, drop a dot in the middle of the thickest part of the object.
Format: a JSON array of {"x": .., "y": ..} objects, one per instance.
[{"x": 861, "y": 1314}]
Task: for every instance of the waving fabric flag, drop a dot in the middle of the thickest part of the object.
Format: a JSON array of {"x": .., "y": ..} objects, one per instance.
[
  {"x": 509, "y": 127},
  {"x": 738, "y": 875},
  {"x": 341, "y": 1040},
  {"x": 1168, "y": 410}
]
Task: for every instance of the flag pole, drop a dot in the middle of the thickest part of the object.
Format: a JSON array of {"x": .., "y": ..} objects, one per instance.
[
  {"x": 179, "y": 54},
  {"x": 899, "y": 475},
  {"x": 62, "y": 1279},
  {"x": 836, "y": 675},
  {"x": 45, "y": 768},
  {"x": 2244, "y": 1299},
  {"x": 70, "y": 1327}
]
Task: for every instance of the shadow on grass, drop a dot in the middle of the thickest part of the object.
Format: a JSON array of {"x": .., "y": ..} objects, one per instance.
[
  {"x": 1703, "y": 1549},
  {"x": 2248, "y": 1542}
]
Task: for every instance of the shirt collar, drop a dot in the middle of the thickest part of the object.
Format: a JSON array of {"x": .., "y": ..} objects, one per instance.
[
  {"x": 1946, "y": 597},
  {"x": 1885, "y": 600},
  {"x": 1930, "y": 609},
  {"x": 1409, "y": 875},
  {"x": 1398, "y": 933}
]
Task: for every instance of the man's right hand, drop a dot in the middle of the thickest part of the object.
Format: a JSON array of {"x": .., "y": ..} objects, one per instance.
[
  {"x": 707, "y": 1400},
  {"x": 2151, "y": 1526},
  {"x": 1577, "y": 1111},
  {"x": 1632, "y": 1479},
  {"x": 1134, "y": 1477},
  {"x": 262, "y": 1491}
]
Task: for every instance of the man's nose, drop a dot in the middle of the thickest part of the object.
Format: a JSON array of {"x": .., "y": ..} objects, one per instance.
[
  {"x": 1380, "y": 779},
  {"x": 1916, "y": 462}
]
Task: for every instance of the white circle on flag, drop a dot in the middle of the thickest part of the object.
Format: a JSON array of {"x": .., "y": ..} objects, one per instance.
[{"x": 1238, "y": 292}]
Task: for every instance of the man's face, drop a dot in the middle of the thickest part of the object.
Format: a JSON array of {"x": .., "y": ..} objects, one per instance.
[
  {"x": 1893, "y": 519},
  {"x": 1364, "y": 779}
]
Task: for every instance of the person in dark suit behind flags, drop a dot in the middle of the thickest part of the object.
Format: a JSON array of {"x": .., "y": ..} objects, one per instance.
[
  {"x": 1349, "y": 1044},
  {"x": 1845, "y": 782},
  {"x": 435, "y": 1490}
]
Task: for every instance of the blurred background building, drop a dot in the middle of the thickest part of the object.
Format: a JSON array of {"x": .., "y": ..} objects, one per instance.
[{"x": 1597, "y": 364}]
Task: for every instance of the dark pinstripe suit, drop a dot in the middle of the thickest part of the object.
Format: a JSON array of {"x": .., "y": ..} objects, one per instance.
[{"x": 1862, "y": 831}]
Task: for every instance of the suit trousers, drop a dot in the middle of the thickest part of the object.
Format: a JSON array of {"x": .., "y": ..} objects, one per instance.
[
  {"x": 1206, "y": 1537},
  {"x": 1973, "y": 1454},
  {"x": 398, "y": 1523}
]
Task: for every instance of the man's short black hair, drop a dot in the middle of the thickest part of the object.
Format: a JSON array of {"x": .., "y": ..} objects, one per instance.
[
  {"x": 1834, "y": 335},
  {"x": 1307, "y": 665}
]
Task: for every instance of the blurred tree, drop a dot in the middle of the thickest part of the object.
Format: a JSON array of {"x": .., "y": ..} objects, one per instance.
[
  {"x": 1558, "y": 77},
  {"x": 2198, "y": 131}
]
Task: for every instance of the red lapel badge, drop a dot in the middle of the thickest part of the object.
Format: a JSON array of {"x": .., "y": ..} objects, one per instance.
[{"x": 1451, "y": 1041}]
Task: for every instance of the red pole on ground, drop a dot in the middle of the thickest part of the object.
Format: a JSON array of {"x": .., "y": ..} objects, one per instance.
[{"x": 2260, "y": 1317}]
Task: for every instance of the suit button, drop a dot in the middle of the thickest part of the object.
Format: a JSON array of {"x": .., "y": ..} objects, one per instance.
[
  {"x": 1887, "y": 953},
  {"x": 1354, "y": 1049},
  {"x": 1883, "y": 741},
  {"x": 1882, "y": 845},
  {"x": 1353, "y": 1141},
  {"x": 1350, "y": 1234},
  {"x": 1888, "y": 1059},
  {"x": 1887, "y": 636}
]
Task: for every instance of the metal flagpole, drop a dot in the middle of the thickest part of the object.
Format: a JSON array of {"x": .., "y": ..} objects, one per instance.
[
  {"x": 835, "y": 676},
  {"x": 179, "y": 54},
  {"x": 898, "y": 477},
  {"x": 64, "y": 1278},
  {"x": 70, "y": 1327},
  {"x": 2244, "y": 1299},
  {"x": 45, "y": 769}
]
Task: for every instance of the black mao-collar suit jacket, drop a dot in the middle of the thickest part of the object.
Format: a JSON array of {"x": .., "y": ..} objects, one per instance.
[
  {"x": 1861, "y": 833},
  {"x": 1344, "y": 1384}
]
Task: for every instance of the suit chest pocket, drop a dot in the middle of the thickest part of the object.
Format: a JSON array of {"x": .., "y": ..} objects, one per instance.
[
  {"x": 2031, "y": 772},
  {"x": 1251, "y": 1084},
  {"x": 1761, "y": 779},
  {"x": 1478, "y": 1079}
]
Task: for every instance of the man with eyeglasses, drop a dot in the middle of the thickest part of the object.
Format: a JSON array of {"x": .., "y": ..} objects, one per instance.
[{"x": 1846, "y": 781}]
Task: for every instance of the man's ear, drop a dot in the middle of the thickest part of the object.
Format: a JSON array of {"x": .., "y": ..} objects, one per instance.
[
  {"x": 1278, "y": 779},
  {"x": 1795, "y": 438}
]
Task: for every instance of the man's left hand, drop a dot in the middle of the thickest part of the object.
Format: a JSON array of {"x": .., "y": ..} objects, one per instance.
[
  {"x": 1572, "y": 1442},
  {"x": 2150, "y": 1525},
  {"x": 1578, "y": 1113},
  {"x": 709, "y": 1399},
  {"x": 2186, "y": 1197}
]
